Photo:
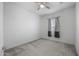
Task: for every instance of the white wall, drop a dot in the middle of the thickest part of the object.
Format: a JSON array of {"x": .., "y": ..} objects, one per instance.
[
  {"x": 77, "y": 28},
  {"x": 20, "y": 25},
  {"x": 1, "y": 28},
  {"x": 67, "y": 23}
]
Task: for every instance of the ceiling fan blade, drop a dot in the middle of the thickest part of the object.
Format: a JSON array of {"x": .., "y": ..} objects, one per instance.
[
  {"x": 45, "y": 4},
  {"x": 47, "y": 7},
  {"x": 38, "y": 8}
]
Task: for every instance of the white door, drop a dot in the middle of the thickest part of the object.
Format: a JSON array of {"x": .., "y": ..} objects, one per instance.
[{"x": 1, "y": 28}]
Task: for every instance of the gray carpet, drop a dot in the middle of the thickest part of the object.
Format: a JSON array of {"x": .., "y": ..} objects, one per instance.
[{"x": 42, "y": 47}]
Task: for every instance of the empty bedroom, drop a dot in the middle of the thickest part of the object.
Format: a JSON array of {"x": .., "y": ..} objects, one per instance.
[{"x": 40, "y": 28}]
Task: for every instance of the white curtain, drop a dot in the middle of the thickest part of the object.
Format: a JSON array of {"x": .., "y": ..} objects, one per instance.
[{"x": 54, "y": 27}]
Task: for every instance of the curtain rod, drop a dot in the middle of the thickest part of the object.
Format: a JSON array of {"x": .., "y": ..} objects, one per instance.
[{"x": 54, "y": 17}]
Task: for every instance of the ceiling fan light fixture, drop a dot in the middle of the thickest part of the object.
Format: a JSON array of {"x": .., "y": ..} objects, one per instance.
[{"x": 42, "y": 6}]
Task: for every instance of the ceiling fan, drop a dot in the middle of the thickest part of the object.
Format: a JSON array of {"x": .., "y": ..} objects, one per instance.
[{"x": 44, "y": 5}]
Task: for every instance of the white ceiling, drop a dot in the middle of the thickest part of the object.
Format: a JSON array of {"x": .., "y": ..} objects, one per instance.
[{"x": 54, "y": 7}]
